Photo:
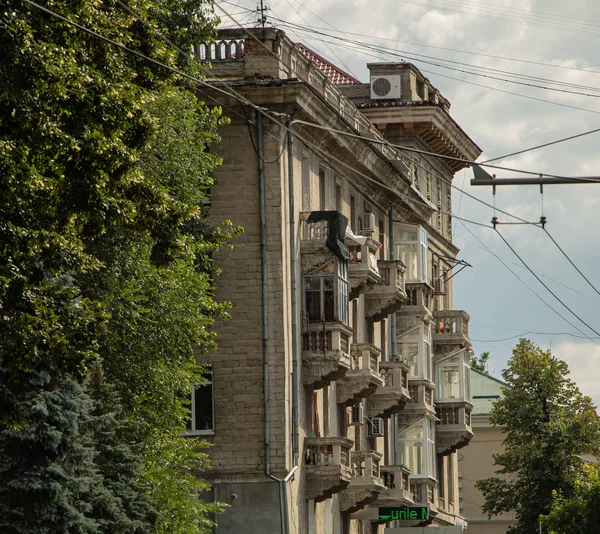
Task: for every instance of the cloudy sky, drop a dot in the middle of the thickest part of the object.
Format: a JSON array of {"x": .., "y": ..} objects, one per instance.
[{"x": 547, "y": 43}]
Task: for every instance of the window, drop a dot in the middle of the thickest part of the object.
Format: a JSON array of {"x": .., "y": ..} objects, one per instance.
[
  {"x": 410, "y": 245},
  {"x": 326, "y": 292},
  {"x": 453, "y": 377},
  {"x": 414, "y": 346},
  {"x": 416, "y": 448},
  {"x": 353, "y": 226},
  {"x": 381, "y": 240},
  {"x": 321, "y": 189},
  {"x": 202, "y": 421}
]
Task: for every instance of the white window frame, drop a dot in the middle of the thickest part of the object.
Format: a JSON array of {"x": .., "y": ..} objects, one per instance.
[
  {"x": 463, "y": 372},
  {"x": 423, "y": 341},
  {"x": 420, "y": 243},
  {"x": 340, "y": 290},
  {"x": 427, "y": 443},
  {"x": 206, "y": 431}
]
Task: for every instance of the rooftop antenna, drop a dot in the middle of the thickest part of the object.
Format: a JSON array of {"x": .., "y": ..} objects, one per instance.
[{"x": 262, "y": 19}]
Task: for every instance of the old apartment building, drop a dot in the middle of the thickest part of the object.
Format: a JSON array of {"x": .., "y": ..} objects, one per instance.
[{"x": 341, "y": 382}]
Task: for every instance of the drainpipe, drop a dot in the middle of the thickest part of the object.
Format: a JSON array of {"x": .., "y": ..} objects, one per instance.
[
  {"x": 392, "y": 254},
  {"x": 283, "y": 505},
  {"x": 294, "y": 299}
]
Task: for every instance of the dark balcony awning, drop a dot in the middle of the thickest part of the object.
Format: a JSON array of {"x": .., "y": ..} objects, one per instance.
[{"x": 336, "y": 230}]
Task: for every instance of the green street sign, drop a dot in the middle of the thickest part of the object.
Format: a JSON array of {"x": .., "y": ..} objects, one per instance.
[{"x": 403, "y": 513}]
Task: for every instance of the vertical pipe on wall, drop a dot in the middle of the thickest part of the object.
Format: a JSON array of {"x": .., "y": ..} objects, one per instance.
[
  {"x": 263, "y": 273},
  {"x": 294, "y": 299},
  {"x": 392, "y": 352},
  {"x": 283, "y": 504}
]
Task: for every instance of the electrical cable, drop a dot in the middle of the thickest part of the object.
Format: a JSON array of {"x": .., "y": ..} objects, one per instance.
[
  {"x": 542, "y": 282},
  {"x": 283, "y": 145},
  {"x": 456, "y": 50},
  {"x": 527, "y": 285},
  {"x": 543, "y": 145},
  {"x": 91, "y": 32},
  {"x": 571, "y": 262},
  {"x": 414, "y": 56}
]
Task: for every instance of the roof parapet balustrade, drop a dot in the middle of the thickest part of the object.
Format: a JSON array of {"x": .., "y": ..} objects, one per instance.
[
  {"x": 325, "y": 353},
  {"x": 363, "y": 378},
  {"x": 419, "y": 299},
  {"x": 366, "y": 482},
  {"x": 397, "y": 483},
  {"x": 451, "y": 330},
  {"x": 363, "y": 269},
  {"x": 328, "y": 466},
  {"x": 388, "y": 296},
  {"x": 453, "y": 430},
  {"x": 393, "y": 396}
]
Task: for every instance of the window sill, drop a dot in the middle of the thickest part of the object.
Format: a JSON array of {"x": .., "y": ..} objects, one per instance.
[{"x": 192, "y": 433}]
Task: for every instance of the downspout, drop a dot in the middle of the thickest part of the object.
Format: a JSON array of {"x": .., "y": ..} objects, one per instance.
[
  {"x": 283, "y": 508},
  {"x": 392, "y": 254},
  {"x": 294, "y": 299}
]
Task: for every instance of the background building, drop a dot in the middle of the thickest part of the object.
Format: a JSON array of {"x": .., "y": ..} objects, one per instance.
[
  {"x": 341, "y": 382},
  {"x": 477, "y": 461}
]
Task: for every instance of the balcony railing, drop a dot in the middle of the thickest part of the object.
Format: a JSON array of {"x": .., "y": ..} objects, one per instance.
[
  {"x": 328, "y": 466},
  {"x": 366, "y": 483},
  {"x": 388, "y": 296},
  {"x": 453, "y": 430},
  {"x": 363, "y": 378},
  {"x": 363, "y": 269},
  {"x": 451, "y": 328},
  {"x": 396, "y": 481},
  {"x": 419, "y": 299},
  {"x": 325, "y": 352},
  {"x": 393, "y": 395}
]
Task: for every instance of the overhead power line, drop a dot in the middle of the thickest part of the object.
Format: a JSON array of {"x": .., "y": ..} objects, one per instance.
[
  {"x": 545, "y": 286},
  {"x": 548, "y": 306}
]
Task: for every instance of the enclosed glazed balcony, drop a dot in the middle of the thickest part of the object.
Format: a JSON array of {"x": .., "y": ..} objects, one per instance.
[
  {"x": 392, "y": 397},
  {"x": 388, "y": 296},
  {"x": 328, "y": 466},
  {"x": 325, "y": 352},
  {"x": 397, "y": 484},
  {"x": 366, "y": 481},
  {"x": 453, "y": 431},
  {"x": 363, "y": 378},
  {"x": 451, "y": 330},
  {"x": 363, "y": 268}
]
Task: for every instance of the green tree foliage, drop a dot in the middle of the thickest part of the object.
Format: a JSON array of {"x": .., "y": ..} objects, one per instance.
[
  {"x": 481, "y": 363},
  {"x": 104, "y": 243},
  {"x": 548, "y": 423},
  {"x": 579, "y": 513}
]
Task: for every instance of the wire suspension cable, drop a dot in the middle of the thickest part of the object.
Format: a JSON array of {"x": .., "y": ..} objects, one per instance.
[
  {"x": 549, "y": 306},
  {"x": 571, "y": 262},
  {"x": 542, "y": 282}
]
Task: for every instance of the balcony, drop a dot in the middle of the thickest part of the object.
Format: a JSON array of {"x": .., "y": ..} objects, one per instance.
[
  {"x": 328, "y": 466},
  {"x": 366, "y": 481},
  {"x": 419, "y": 300},
  {"x": 393, "y": 395},
  {"x": 363, "y": 378},
  {"x": 388, "y": 296},
  {"x": 321, "y": 238},
  {"x": 451, "y": 330},
  {"x": 363, "y": 269},
  {"x": 325, "y": 353},
  {"x": 453, "y": 430},
  {"x": 397, "y": 484},
  {"x": 421, "y": 403}
]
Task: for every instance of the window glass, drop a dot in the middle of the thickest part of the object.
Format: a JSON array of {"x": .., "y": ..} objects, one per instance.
[
  {"x": 410, "y": 246},
  {"x": 449, "y": 384},
  {"x": 326, "y": 295},
  {"x": 329, "y": 300},
  {"x": 202, "y": 408}
]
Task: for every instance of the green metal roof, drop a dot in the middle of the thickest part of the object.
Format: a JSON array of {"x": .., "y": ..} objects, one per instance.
[{"x": 485, "y": 389}]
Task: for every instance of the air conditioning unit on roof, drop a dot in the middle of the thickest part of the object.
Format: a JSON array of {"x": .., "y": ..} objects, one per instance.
[{"x": 386, "y": 87}]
